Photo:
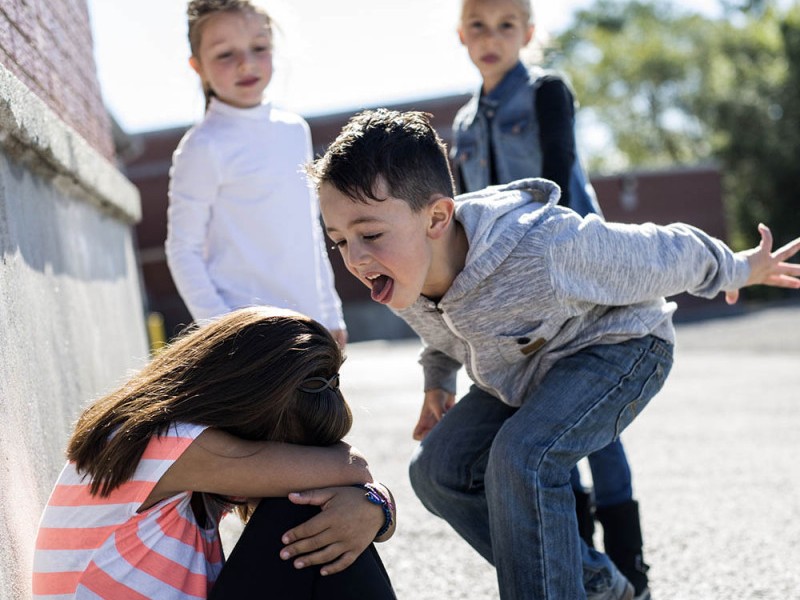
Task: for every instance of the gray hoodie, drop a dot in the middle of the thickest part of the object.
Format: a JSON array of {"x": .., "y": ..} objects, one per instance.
[{"x": 541, "y": 283}]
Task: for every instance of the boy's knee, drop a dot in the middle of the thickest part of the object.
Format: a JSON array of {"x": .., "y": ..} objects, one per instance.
[
  {"x": 516, "y": 456},
  {"x": 430, "y": 474},
  {"x": 511, "y": 451},
  {"x": 421, "y": 471}
]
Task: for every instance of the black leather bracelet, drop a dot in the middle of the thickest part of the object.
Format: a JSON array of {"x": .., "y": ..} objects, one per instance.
[{"x": 374, "y": 495}]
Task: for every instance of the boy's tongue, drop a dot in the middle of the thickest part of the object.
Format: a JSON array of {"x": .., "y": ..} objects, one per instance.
[{"x": 382, "y": 289}]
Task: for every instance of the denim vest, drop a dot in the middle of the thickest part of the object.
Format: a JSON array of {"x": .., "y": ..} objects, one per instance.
[{"x": 509, "y": 115}]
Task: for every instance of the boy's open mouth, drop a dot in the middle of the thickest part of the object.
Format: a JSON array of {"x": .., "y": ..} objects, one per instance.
[{"x": 382, "y": 287}]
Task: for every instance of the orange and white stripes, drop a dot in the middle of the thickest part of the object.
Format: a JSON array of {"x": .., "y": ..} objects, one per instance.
[{"x": 94, "y": 547}]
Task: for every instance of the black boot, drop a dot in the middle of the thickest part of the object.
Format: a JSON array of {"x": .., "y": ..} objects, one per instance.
[
  {"x": 622, "y": 538},
  {"x": 584, "y": 510}
]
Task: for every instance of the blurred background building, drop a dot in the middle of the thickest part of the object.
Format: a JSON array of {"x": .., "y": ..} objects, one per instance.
[{"x": 691, "y": 195}]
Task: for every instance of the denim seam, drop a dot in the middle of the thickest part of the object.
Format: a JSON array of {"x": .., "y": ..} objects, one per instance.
[
  {"x": 643, "y": 352},
  {"x": 658, "y": 346},
  {"x": 471, "y": 468}
]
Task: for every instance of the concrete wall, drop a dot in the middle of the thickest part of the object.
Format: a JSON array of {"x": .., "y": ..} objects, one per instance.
[{"x": 71, "y": 317}]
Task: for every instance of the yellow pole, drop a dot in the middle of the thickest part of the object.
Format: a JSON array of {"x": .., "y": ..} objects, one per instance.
[{"x": 156, "y": 332}]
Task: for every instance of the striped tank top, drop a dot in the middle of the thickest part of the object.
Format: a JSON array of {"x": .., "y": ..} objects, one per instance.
[{"x": 94, "y": 547}]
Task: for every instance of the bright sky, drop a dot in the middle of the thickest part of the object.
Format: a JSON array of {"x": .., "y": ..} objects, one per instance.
[{"x": 331, "y": 55}]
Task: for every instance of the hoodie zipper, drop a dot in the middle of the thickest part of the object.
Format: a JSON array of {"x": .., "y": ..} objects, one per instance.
[{"x": 472, "y": 367}]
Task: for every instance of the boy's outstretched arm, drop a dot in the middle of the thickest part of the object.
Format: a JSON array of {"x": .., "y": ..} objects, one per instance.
[
  {"x": 437, "y": 402},
  {"x": 770, "y": 268}
]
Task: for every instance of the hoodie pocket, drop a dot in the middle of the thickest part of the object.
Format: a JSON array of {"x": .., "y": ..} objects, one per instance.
[{"x": 522, "y": 346}]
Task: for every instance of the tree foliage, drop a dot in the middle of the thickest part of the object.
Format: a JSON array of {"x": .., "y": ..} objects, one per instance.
[
  {"x": 674, "y": 87},
  {"x": 634, "y": 66}
]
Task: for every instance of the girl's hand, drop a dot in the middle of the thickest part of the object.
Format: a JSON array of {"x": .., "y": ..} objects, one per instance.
[
  {"x": 340, "y": 335},
  {"x": 334, "y": 538},
  {"x": 769, "y": 268},
  {"x": 436, "y": 404}
]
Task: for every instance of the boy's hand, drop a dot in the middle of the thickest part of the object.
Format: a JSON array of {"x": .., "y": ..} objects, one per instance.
[
  {"x": 338, "y": 535},
  {"x": 769, "y": 268},
  {"x": 436, "y": 404}
]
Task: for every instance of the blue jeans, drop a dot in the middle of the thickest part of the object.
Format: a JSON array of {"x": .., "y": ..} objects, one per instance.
[
  {"x": 611, "y": 475},
  {"x": 500, "y": 476}
]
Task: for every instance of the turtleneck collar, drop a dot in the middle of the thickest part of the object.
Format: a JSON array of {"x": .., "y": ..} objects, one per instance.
[{"x": 254, "y": 112}]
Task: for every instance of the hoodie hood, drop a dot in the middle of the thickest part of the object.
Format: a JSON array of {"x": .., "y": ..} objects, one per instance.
[{"x": 495, "y": 220}]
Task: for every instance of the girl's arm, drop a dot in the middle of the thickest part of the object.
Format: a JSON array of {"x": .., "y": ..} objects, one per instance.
[
  {"x": 347, "y": 524},
  {"x": 330, "y": 303},
  {"x": 555, "y": 112},
  {"x": 220, "y": 463},
  {"x": 193, "y": 185}
]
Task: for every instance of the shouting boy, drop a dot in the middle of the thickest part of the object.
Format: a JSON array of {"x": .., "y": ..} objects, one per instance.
[{"x": 559, "y": 320}]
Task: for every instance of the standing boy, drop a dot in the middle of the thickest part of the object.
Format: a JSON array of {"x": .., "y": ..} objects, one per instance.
[
  {"x": 559, "y": 320},
  {"x": 520, "y": 123}
]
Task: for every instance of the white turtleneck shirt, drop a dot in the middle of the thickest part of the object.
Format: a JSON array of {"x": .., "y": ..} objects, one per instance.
[{"x": 243, "y": 224}]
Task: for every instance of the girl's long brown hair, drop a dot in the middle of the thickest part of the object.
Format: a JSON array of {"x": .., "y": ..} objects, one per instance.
[{"x": 241, "y": 373}]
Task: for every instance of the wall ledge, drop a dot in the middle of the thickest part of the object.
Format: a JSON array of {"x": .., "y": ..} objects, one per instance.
[{"x": 33, "y": 134}]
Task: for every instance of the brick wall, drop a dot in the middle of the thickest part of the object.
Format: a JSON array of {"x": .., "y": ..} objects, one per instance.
[{"x": 47, "y": 44}]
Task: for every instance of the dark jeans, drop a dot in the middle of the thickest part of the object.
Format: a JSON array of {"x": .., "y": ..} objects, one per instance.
[
  {"x": 254, "y": 568},
  {"x": 611, "y": 476}
]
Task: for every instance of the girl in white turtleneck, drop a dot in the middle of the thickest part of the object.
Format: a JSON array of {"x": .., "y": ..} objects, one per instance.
[{"x": 243, "y": 224}]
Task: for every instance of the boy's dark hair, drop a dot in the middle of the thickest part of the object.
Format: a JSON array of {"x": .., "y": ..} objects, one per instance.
[{"x": 401, "y": 148}]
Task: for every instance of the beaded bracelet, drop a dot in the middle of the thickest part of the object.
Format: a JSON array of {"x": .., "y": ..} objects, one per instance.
[{"x": 374, "y": 495}]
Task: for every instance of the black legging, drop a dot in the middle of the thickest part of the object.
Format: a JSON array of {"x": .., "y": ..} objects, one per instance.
[{"x": 254, "y": 568}]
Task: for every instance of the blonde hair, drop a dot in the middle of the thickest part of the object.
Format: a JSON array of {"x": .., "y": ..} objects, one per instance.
[
  {"x": 199, "y": 12},
  {"x": 526, "y": 6}
]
